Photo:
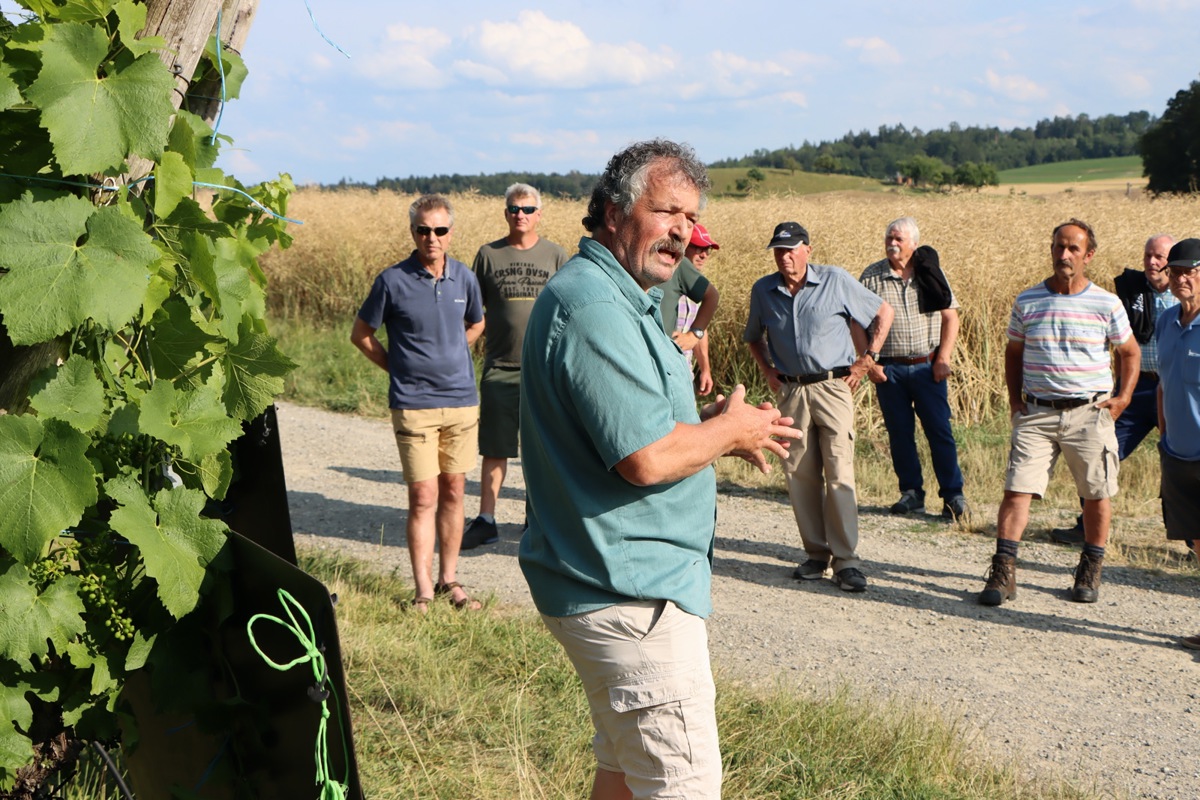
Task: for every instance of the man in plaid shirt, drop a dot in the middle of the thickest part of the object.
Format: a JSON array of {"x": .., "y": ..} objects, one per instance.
[{"x": 913, "y": 365}]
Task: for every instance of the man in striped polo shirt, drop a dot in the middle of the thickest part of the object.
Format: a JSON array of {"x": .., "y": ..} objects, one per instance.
[{"x": 1056, "y": 367}]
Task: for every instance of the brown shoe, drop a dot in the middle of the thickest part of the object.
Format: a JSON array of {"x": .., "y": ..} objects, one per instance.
[
  {"x": 1087, "y": 579},
  {"x": 1190, "y": 642},
  {"x": 1001, "y": 581}
]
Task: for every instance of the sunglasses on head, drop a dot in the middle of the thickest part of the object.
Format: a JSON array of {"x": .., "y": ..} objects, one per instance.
[
  {"x": 425, "y": 230},
  {"x": 527, "y": 209}
]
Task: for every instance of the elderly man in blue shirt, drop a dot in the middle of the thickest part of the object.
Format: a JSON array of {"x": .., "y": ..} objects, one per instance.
[
  {"x": 1178, "y": 337},
  {"x": 618, "y": 470},
  {"x": 808, "y": 359}
]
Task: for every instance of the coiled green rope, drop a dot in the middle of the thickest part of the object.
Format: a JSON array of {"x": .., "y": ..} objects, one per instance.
[{"x": 330, "y": 788}]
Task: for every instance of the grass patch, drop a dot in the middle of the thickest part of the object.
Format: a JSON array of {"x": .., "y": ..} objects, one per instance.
[
  {"x": 781, "y": 181},
  {"x": 486, "y": 705},
  {"x": 1092, "y": 169}
]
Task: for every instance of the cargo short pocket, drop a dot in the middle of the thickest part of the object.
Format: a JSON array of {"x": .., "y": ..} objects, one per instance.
[{"x": 656, "y": 706}]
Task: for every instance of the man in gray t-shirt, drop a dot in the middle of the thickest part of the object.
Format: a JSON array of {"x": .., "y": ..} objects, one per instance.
[{"x": 512, "y": 272}]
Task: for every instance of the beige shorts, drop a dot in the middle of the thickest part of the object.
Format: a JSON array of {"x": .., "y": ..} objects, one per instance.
[
  {"x": 1086, "y": 437},
  {"x": 645, "y": 668},
  {"x": 433, "y": 441}
]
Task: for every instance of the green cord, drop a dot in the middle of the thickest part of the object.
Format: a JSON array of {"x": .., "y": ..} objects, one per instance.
[{"x": 330, "y": 789}]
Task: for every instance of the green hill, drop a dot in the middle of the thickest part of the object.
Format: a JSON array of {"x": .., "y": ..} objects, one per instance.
[
  {"x": 1094, "y": 169},
  {"x": 781, "y": 181}
]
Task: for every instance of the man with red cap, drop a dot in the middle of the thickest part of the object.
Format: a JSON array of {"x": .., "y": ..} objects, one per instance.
[{"x": 688, "y": 303}]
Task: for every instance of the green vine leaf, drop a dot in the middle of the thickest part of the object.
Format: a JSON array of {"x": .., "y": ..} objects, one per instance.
[
  {"x": 216, "y": 471},
  {"x": 85, "y": 10},
  {"x": 172, "y": 183},
  {"x": 179, "y": 341},
  {"x": 46, "y": 482},
  {"x": 16, "y": 749},
  {"x": 233, "y": 65},
  {"x": 95, "y": 120},
  {"x": 193, "y": 420},
  {"x": 69, "y": 262},
  {"x": 10, "y": 94},
  {"x": 254, "y": 369},
  {"x": 131, "y": 19},
  {"x": 176, "y": 542},
  {"x": 30, "y": 622},
  {"x": 75, "y": 395}
]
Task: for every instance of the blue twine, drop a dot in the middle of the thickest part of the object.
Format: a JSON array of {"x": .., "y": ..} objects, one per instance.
[
  {"x": 221, "y": 71},
  {"x": 323, "y": 36},
  {"x": 104, "y": 188}
]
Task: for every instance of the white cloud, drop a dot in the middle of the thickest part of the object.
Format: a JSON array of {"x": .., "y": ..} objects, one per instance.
[
  {"x": 793, "y": 98},
  {"x": 734, "y": 75},
  {"x": 1015, "y": 87},
  {"x": 543, "y": 52},
  {"x": 874, "y": 50},
  {"x": 405, "y": 58},
  {"x": 556, "y": 140},
  {"x": 1166, "y": 6},
  {"x": 362, "y": 137},
  {"x": 1132, "y": 84},
  {"x": 959, "y": 97},
  {"x": 480, "y": 72}
]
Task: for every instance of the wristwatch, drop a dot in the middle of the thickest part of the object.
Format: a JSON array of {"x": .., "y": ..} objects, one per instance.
[
  {"x": 697, "y": 332},
  {"x": 872, "y": 354}
]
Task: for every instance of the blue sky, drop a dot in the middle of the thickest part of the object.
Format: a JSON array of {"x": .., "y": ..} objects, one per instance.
[{"x": 476, "y": 87}]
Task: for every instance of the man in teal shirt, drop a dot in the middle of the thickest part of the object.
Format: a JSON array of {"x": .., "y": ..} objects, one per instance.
[{"x": 618, "y": 473}]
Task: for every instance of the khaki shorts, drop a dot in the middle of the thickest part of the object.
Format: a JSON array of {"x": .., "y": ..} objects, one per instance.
[
  {"x": 1086, "y": 437},
  {"x": 499, "y": 412},
  {"x": 645, "y": 668},
  {"x": 434, "y": 441}
]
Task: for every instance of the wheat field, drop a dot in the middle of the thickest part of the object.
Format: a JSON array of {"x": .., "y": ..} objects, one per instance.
[{"x": 991, "y": 248}]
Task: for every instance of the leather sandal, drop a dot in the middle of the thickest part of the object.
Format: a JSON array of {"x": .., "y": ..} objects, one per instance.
[
  {"x": 421, "y": 604},
  {"x": 467, "y": 602}
]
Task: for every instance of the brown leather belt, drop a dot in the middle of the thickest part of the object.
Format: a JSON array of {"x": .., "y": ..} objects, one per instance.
[
  {"x": 908, "y": 361},
  {"x": 816, "y": 377}
]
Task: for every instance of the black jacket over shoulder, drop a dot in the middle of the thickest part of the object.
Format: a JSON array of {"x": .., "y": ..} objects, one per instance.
[{"x": 1138, "y": 297}]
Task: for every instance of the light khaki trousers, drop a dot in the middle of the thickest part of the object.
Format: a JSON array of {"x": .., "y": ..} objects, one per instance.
[{"x": 820, "y": 469}]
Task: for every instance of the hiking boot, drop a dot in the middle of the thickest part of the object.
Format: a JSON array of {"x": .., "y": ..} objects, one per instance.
[
  {"x": 480, "y": 531},
  {"x": 911, "y": 501},
  {"x": 1001, "y": 581},
  {"x": 1087, "y": 579},
  {"x": 810, "y": 570},
  {"x": 1190, "y": 642},
  {"x": 955, "y": 509},
  {"x": 1073, "y": 535},
  {"x": 850, "y": 580}
]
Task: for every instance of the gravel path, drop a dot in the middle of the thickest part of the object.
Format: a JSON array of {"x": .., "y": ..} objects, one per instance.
[{"x": 1096, "y": 693}]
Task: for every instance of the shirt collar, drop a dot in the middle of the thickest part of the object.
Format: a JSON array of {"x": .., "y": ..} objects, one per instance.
[{"x": 601, "y": 256}]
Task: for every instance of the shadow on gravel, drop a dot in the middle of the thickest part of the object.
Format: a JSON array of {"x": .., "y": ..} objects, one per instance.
[
  {"x": 396, "y": 476},
  {"x": 935, "y": 591}
]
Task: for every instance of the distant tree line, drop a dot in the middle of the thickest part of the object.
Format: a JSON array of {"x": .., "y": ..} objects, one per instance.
[
  {"x": 573, "y": 185},
  {"x": 969, "y": 157},
  {"x": 885, "y": 153}
]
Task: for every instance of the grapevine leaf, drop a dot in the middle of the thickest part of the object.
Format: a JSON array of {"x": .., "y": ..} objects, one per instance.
[
  {"x": 216, "y": 471},
  {"x": 232, "y": 64},
  {"x": 55, "y": 282},
  {"x": 31, "y": 622},
  {"x": 139, "y": 650},
  {"x": 175, "y": 541},
  {"x": 254, "y": 370},
  {"x": 204, "y": 150},
  {"x": 75, "y": 396},
  {"x": 46, "y": 482},
  {"x": 10, "y": 95},
  {"x": 172, "y": 183},
  {"x": 85, "y": 10},
  {"x": 16, "y": 749},
  {"x": 193, "y": 420},
  {"x": 96, "y": 121},
  {"x": 226, "y": 277},
  {"x": 179, "y": 341},
  {"x": 131, "y": 19}
]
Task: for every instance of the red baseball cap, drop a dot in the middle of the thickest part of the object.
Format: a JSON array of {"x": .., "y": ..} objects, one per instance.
[{"x": 700, "y": 238}]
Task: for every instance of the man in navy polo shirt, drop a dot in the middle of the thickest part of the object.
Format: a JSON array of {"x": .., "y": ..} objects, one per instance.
[{"x": 433, "y": 311}]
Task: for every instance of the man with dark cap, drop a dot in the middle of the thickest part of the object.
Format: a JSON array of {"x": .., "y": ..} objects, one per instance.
[{"x": 808, "y": 359}]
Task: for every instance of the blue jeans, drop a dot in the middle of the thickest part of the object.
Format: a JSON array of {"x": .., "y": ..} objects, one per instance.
[
  {"x": 910, "y": 392},
  {"x": 1139, "y": 417}
]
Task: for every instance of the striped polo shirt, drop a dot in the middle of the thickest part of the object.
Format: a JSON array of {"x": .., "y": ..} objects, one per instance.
[{"x": 1066, "y": 338}]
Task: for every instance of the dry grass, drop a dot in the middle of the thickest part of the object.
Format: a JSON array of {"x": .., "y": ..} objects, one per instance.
[{"x": 991, "y": 248}]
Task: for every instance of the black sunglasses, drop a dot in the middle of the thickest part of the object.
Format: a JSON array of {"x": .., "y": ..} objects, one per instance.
[
  {"x": 425, "y": 230},
  {"x": 527, "y": 209}
]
